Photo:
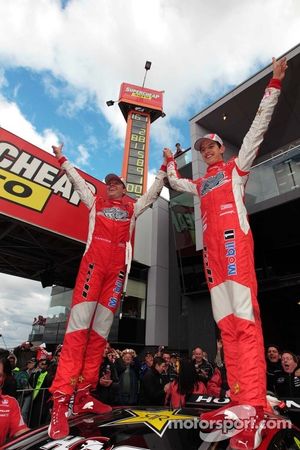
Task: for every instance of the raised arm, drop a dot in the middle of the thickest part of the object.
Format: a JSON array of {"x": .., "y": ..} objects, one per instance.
[
  {"x": 259, "y": 126},
  {"x": 153, "y": 192},
  {"x": 177, "y": 183},
  {"x": 79, "y": 184}
]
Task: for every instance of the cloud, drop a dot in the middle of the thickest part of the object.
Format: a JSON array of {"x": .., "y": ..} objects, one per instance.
[
  {"x": 83, "y": 158},
  {"x": 3, "y": 81},
  {"x": 18, "y": 294},
  {"x": 13, "y": 120}
]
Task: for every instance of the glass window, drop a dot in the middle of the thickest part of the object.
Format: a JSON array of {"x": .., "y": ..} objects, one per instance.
[{"x": 134, "y": 303}]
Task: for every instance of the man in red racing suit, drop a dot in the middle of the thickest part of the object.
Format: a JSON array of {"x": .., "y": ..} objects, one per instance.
[
  {"x": 11, "y": 421},
  {"x": 97, "y": 292},
  {"x": 228, "y": 251}
]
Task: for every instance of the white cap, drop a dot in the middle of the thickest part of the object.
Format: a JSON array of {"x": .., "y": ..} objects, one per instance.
[{"x": 211, "y": 136}]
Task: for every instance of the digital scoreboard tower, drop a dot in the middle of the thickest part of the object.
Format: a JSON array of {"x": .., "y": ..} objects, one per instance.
[{"x": 140, "y": 106}]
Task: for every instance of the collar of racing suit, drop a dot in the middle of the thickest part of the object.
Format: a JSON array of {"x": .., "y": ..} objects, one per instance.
[{"x": 216, "y": 165}]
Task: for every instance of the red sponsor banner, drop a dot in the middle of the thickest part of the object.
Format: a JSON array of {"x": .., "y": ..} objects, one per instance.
[
  {"x": 35, "y": 190},
  {"x": 141, "y": 96}
]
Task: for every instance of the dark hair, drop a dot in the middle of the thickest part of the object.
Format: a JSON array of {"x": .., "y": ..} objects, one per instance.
[
  {"x": 292, "y": 355},
  {"x": 45, "y": 361},
  {"x": 200, "y": 348},
  {"x": 158, "y": 360},
  {"x": 273, "y": 345},
  {"x": 187, "y": 377},
  {"x": 6, "y": 367}
]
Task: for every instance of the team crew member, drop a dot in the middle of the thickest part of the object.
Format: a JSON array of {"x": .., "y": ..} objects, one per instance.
[
  {"x": 11, "y": 421},
  {"x": 228, "y": 251},
  {"x": 97, "y": 292}
]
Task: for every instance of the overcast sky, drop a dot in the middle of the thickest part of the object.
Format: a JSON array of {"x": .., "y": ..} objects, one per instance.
[{"x": 61, "y": 60}]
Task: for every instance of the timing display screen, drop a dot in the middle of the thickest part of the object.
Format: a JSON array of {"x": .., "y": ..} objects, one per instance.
[{"x": 136, "y": 160}]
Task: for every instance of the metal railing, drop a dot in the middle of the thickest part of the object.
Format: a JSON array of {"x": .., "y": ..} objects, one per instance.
[
  {"x": 184, "y": 158},
  {"x": 274, "y": 177},
  {"x": 35, "y": 411}
]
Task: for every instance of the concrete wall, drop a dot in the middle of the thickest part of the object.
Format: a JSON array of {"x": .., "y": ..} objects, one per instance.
[
  {"x": 143, "y": 238},
  {"x": 158, "y": 276}
]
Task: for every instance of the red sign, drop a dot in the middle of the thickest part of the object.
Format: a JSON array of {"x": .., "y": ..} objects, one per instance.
[
  {"x": 35, "y": 190},
  {"x": 141, "y": 96}
]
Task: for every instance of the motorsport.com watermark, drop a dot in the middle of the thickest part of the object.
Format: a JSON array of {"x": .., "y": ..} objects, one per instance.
[{"x": 218, "y": 429}]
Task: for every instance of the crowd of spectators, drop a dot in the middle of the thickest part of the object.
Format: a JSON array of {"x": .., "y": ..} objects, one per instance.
[
  {"x": 39, "y": 320},
  {"x": 151, "y": 378}
]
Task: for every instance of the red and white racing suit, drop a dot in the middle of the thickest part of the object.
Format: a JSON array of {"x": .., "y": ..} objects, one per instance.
[
  {"x": 228, "y": 257},
  {"x": 11, "y": 421},
  {"x": 100, "y": 281}
]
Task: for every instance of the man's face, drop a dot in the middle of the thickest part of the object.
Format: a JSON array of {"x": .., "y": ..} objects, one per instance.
[
  {"x": 288, "y": 363},
  {"x": 110, "y": 357},
  {"x": 12, "y": 362},
  {"x": 149, "y": 360},
  {"x": 211, "y": 152},
  {"x": 160, "y": 367},
  {"x": 30, "y": 365},
  {"x": 167, "y": 358},
  {"x": 115, "y": 189},
  {"x": 26, "y": 345},
  {"x": 198, "y": 355},
  {"x": 127, "y": 358},
  {"x": 42, "y": 364},
  {"x": 273, "y": 354}
]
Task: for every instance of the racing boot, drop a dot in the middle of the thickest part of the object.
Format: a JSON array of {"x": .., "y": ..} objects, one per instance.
[
  {"x": 251, "y": 435},
  {"x": 85, "y": 402},
  {"x": 218, "y": 414},
  {"x": 59, "y": 427}
]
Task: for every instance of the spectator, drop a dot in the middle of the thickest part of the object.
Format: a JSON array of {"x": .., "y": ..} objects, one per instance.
[
  {"x": 54, "y": 363},
  {"x": 175, "y": 362},
  {"x": 13, "y": 362},
  {"x": 41, "y": 320},
  {"x": 274, "y": 367},
  {"x": 128, "y": 372},
  {"x": 147, "y": 364},
  {"x": 24, "y": 353},
  {"x": 169, "y": 374},
  {"x": 9, "y": 384},
  {"x": 11, "y": 422},
  {"x": 203, "y": 368},
  {"x": 187, "y": 383},
  {"x": 152, "y": 386},
  {"x": 160, "y": 351},
  {"x": 40, "y": 381},
  {"x": 287, "y": 383},
  {"x": 218, "y": 386},
  {"x": 25, "y": 397},
  {"x": 178, "y": 151},
  {"x": 108, "y": 386}
]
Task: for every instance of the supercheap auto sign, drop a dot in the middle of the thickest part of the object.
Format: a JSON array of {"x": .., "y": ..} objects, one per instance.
[{"x": 35, "y": 190}]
